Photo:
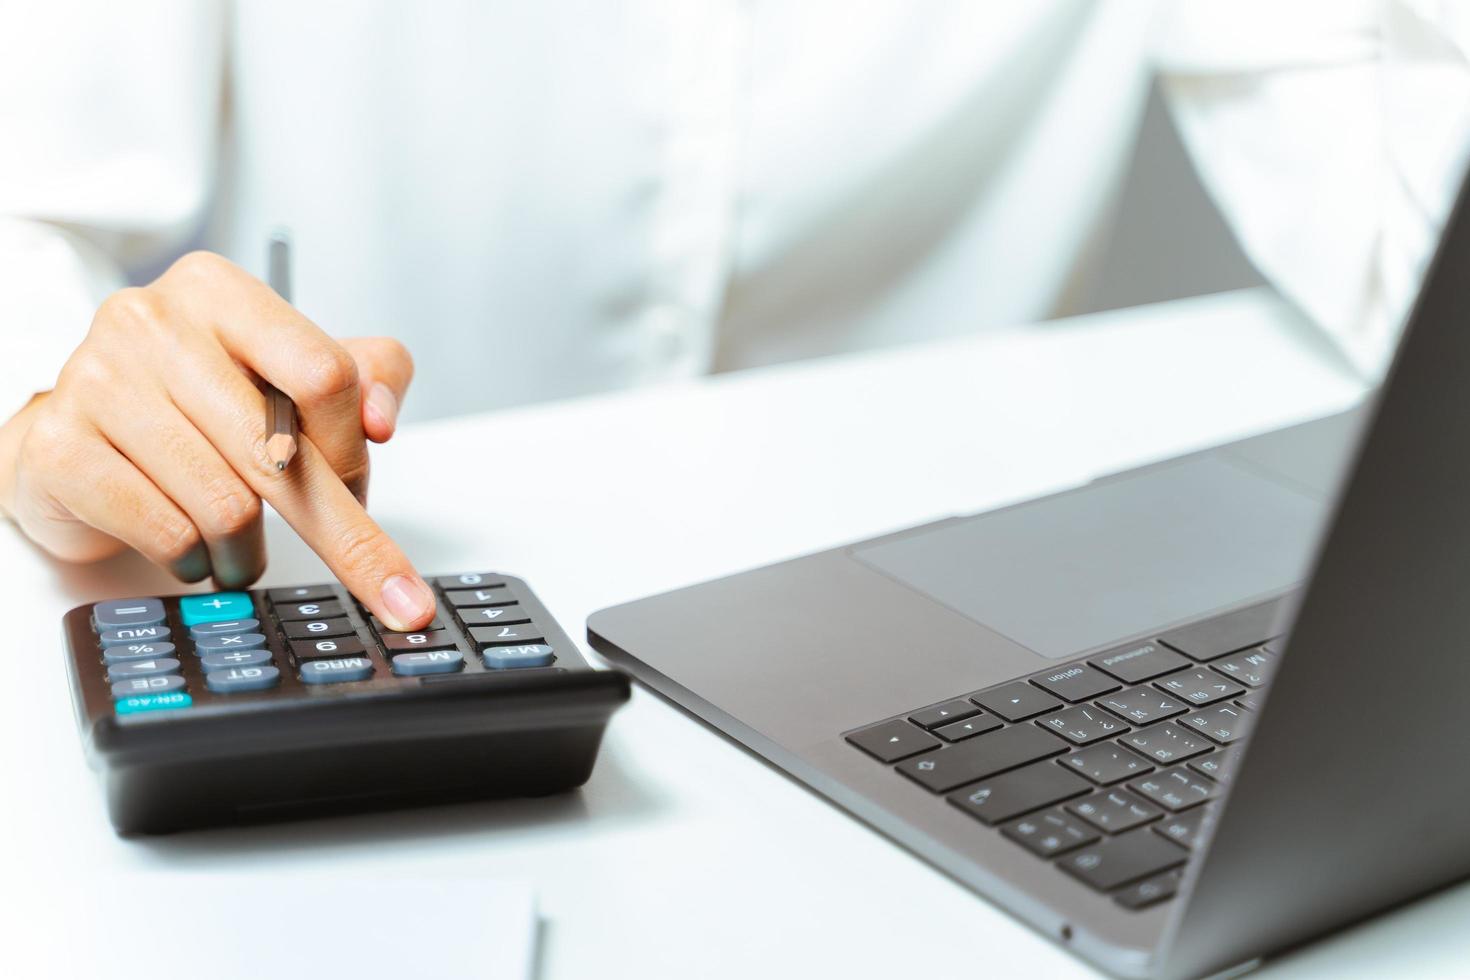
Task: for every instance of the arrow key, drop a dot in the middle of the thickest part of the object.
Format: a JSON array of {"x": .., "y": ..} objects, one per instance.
[
  {"x": 1016, "y": 701},
  {"x": 892, "y": 740}
]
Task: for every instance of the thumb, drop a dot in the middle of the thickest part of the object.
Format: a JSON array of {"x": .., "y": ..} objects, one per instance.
[{"x": 384, "y": 369}]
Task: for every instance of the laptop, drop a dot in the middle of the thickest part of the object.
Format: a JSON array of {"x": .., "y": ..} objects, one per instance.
[{"x": 1180, "y": 719}]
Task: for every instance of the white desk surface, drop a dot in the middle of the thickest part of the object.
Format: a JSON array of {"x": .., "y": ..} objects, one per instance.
[{"x": 684, "y": 856}]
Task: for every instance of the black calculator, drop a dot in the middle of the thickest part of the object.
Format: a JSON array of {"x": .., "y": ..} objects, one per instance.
[{"x": 237, "y": 707}]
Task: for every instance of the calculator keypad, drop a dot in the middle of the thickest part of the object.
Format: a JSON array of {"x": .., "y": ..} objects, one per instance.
[{"x": 312, "y": 636}]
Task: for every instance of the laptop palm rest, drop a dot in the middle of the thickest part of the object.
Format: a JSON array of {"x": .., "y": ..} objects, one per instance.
[{"x": 1114, "y": 559}]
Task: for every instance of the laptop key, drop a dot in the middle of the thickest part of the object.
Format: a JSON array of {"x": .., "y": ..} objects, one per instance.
[
  {"x": 1223, "y": 723},
  {"x": 976, "y": 758},
  {"x": 976, "y": 725},
  {"x": 1219, "y": 766},
  {"x": 1114, "y": 810},
  {"x": 1075, "y": 682},
  {"x": 1142, "y": 705},
  {"x": 1199, "y": 686},
  {"x": 1183, "y": 828},
  {"x": 1177, "y": 788},
  {"x": 1166, "y": 743},
  {"x": 890, "y": 741},
  {"x": 1122, "y": 860},
  {"x": 1139, "y": 662},
  {"x": 1016, "y": 701},
  {"x": 1253, "y": 668},
  {"x": 1019, "y": 791},
  {"x": 943, "y": 714},
  {"x": 1082, "y": 724},
  {"x": 1220, "y": 635},
  {"x": 1149, "y": 891},
  {"x": 1106, "y": 763},
  {"x": 1051, "y": 833},
  {"x": 1251, "y": 701}
]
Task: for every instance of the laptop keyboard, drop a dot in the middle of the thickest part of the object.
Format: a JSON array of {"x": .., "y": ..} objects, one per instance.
[{"x": 1105, "y": 767}]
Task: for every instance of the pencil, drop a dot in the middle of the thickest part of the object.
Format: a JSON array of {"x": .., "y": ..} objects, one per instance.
[{"x": 280, "y": 411}]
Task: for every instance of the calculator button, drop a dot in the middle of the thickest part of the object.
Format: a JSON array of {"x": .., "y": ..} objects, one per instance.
[
  {"x": 469, "y": 598},
  {"x": 301, "y": 593},
  {"x": 130, "y": 635},
  {"x": 469, "y": 580},
  {"x": 306, "y": 629},
  {"x": 137, "y": 651},
  {"x": 505, "y": 636},
  {"x": 235, "y": 658},
  {"x": 138, "y": 686},
  {"x": 382, "y": 628},
  {"x": 143, "y": 668},
  {"x": 338, "y": 671},
  {"x": 118, "y": 613},
  {"x": 238, "y": 680},
  {"x": 529, "y": 655},
  {"x": 341, "y": 646},
  {"x": 224, "y": 644},
  {"x": 427, "y": 662},
  {"x": 152, "y": 702},
  {"x": 216, "y": 607},
  {"x": 224, "y": 626},
  {"x": 409, "y": 642},
  {"x": 510, "y": 614},
  {"x": 309, "y": 610}
]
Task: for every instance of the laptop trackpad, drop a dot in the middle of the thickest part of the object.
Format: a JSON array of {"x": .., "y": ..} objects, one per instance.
[{"x": 1082, "y": 570}]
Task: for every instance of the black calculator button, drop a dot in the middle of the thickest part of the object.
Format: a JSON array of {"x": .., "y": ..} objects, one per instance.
[
  {"x": 289, "y": 612},
  {"x": 228, "y": 642},
  {"x": 301, "y": 593},
  {"x": 410, "y": 642},
  {"x": 130, "y": 635},
  {"x": 511, "y": 615},
  {"x": 137, "y": 651},
  {"x": 235, "y": 658},
  {"x": 505, "y": 636},
  {"x": 337, "y": 646},
  {"x": 143, "y": 668},
  {"x": 224, "y": 627},
  {"x": 427, "y": 662},
  {"x": 137, "y": 686},
  {"x": 336, "y": 671},
  {"x": 528, "y": 655},
  {"x": 118, "y": 613},
  {"x": 470, "y": 598},
  {"x": 382, "y": 628},
  {"x": 307, "y": 629},
  {"x": 239, "y": 680},
  {"x": 469, "y": 580}
]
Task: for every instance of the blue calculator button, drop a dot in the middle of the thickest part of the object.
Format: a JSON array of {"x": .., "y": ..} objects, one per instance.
[
  {"x": 133, "y": 634},
  {"x": 153, "y": 702},
  {"x": 223, "y": 627},
  {"x": 336, "y": 671},
  {"x": 194, "y": 609},
  {"x": 528, "y": 655},
  {"x": 228, "y": 642},
  {"x": 139, "y": 686}
]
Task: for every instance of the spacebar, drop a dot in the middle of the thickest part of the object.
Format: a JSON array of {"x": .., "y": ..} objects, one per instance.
[{"x": 975, "y": 758}]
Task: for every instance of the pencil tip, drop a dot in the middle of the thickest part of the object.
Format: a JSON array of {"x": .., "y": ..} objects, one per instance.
[{"x": 280, "y": 465}]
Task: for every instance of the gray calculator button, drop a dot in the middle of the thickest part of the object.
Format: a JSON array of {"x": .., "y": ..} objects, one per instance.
[
  {"x": 142, "y": 668},
  {"x": 336, "y": 671},
  {"x": 427, "y": 662},
  {"x": 137, "y": 651},
  {"x": 235, "y": 658},
  {"x": 133, "y": 634},
  {"x": 117, "y": 613},
  {"x": 224, "y": 627},
  {"x": 237, "y": 680},
  {"x": 527, "y": 655},
  {"x": 136, "y": 686},
  {"x": 228, "y": 642}
]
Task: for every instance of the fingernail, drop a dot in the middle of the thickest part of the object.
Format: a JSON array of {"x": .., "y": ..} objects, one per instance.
[
  {"x": 407, "y": 601},
  {"x": 380, "y": 402}
]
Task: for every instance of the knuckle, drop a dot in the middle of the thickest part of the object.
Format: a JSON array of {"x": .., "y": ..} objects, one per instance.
[
  {"x": 328, "y": 373},
  {"x": 230, "y": 507},
  {"x": 87, "y": 369},
  {"x": 171, "y": 538},
  {"x": 200, "y": 264},
  {"x": 128, "y": 313},
  {"x": 360, "y": 548},
  {"x": 52, "y": 445}
]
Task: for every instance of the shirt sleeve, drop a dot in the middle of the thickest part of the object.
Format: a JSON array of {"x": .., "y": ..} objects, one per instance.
[
  {"x": 1332, "y": 135},
  {"x": 109, "y": 121}
]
